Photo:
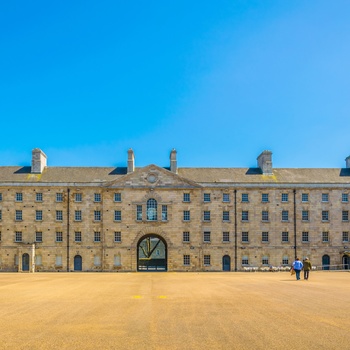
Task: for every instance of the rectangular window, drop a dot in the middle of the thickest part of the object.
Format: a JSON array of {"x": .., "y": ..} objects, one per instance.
[
  {"x": 18, "y": 216},
  {"x": 58, "y": 261},
  {"x": 18, "y": 236},
  {"x": 187, "y": 216},
  {"x": 59, "y": 215},
  {"x": 117, "y": 236},
  {"x": 245, "y": 260},
  {"x": 284, "y": 198},
  {"x": 245, "y": 216},
  {"x": 325, "y": 215},
  {"x": 38, "y": 215},
  {"x": 187, "y": 260},
  {"x": 265, "y": 237},
  {"x": 305, "y": 237},
  {"x": 265, "y": 215},
  {"x": 59, "y": 237},
  {"x": 226, "y": 197},
  {"x": 78, "y": 197},
  {"x": 285, "y": 216},
  {"x": 97, "y": 197},
  {"x": 265, "y": 260},
  {"x": 39, "y": 197},
  {"x": 285, "y": 237},
  {"x": 245, "y": 197},
  {"x": 305, "y": 215},
  {"x": 19, "y": 197},
  {"x": 206, "y": 260},
  {"x": 285, "y": 260},
  {"x": 38, "y": 236},
  {"x": 245, "y": 237},
  {"x": 226, "y": 215},
  {"x": 77, "y": 237},
  {"x": 59, "y": 197},
  {"x": 206, "y": 236},
  {"x": 206, "y": 215},
  {"x": 164, "y": 213},
  {"x": 345, "y": 215},
  {"x": 304, "y": 197},
  {"x": 97, "y": 215},
  {"x": 345, "y": 198},
  {"x": 117, "y": 215},
  {"x": 185, "y": 236},
  {"x": 97, "y": 260},
  {"x": 0, "y": 214},
  {"x": 139, "y": 212},
  {"x": 325, "y": 237},
  {"x": 206, "y": 197},
  {"x": 117, "y": 197},
  {"x": 226, "y": 237},
  {"x": 264, "y": 197},
  {"x": 324, "y": 197},
  {"x": 345, "y": 237},
  {"x": 0, "y": 236},
  {"x": 0, "y": 197},
  {"x": 38, "y": 260},
  {"x": 97, "y": 236},
  {"x": 187, "y": 198},
  {"x": 77, "y": 215}
]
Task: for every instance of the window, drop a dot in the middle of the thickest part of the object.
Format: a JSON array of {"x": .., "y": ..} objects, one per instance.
[
  {"x": 164, "y": 212},
  {"x": 97, "y": 260},
  {"x": 285, "y": 215},
  {"x": 324, "y": 197},
  {"x": 264, "y": 197},
  {"x": 38, "y": 260},
  {"x": 117, "y": 260},
  {"x": 38, "y": 236},
  {"x": 226, "y": 216},
  {"x": 59, "y": 237},
  {"x": 345, "y": 215},
  {"x": 187, "y": 261},
  {"x": 59, "y": 197},
  {"x": 225, "y": 197},
  {"x": 245, "y": 197},
  {"x": 325, "y": 215},
  {"x": 345, "y": 198},
  {"x": 97, "y": 236},
  {"x": 0, "y": 214},
  {"x": 59, "y": 215},
  {"x": 206, "y": 215},
  {"x": 245, "y": 260},
  {"x": 117, "y": 197},
  {"x": 77, "y": 215},
  {"x": 39, "y": 197},
  {"x": 265, "y": 215},
  {"x": 0, "y": 236},
  {"x": 345, "y": 236},
  {"x": 206, "y": 236},
  {"x": 245, "y": 237},
  {"x": 206, "y": 260},
  {"x": 38, "y": 215},
  {"x": 152, "y": 209},
  {"x": 245, "y": 215},
  {"x": 304, "y": 197},
  {"x": 18, "y": 236},
  {"x": 265, "y": 260},
  {"x": 117, "y": 215},
  {"x": 18, "y": 216},
  {"x": 97, "y": 215},
  {"x": 19, "y": 197},
  {"x": 305, "y": 237},
  {"x": 58, "y": 261},
  {"x": 305, "y": 215},
  {"x": 325, "y": 237},
  {"x": 265, "y": 237},
  {"x": 139, "y": 212},
  {"x": 187, "y": 216},
  {"x": 206, "y": 197},
  {"x": 284, "y": 197},
  {"x": 97, "y": 197},
  {"x": 78, "y": 197},
  {"x": 185, "y": 236},
  {"x": 285, "y": 260},
  {"x": 77, "y": 237},
  {"x": 226, "y": 237},
  {"x": 117, "y": 236},
  {"x": 187, "y": 197},
  {"x": 0, "y": 197},
  {"x": 285, "y": 237}
]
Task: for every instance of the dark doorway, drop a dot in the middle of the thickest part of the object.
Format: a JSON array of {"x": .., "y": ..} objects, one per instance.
[
  {"x": 152, "y": 254},
  {"x": 326, "y": 261},
  {"x": 346, "y": 262},
  {"x": 25, "y": 262},
  {"x": 78, "y": 263},
  {"x": 226, "y": 263}
]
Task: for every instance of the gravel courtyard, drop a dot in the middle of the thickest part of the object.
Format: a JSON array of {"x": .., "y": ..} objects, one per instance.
[{"x": 174, "y": 311}]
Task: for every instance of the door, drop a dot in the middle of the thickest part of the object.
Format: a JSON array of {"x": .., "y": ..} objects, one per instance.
[
  {"x": 226, "y": 263},
  {"x": 78, "y": 263},
  {"x": 326, "y": 262},
  {"x": 346, "y": 261},
  {"x": 25, "y": 262}
]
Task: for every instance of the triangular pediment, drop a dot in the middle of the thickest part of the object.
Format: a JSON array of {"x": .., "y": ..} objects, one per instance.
[{"x": 152, "y": 176}]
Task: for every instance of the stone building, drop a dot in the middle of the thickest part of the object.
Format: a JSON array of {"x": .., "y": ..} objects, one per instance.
[{"x": 171, "y": 219}]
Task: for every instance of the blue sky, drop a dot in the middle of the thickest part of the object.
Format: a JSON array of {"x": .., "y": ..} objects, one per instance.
[{"x": 220, "y": 81}]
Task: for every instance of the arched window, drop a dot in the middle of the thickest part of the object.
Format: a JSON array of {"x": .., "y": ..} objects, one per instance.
[{"x": 152, "y": 209}]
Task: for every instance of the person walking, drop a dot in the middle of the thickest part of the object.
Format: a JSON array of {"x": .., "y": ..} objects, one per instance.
[
  {"x": 297, "y": 266},
  {"x": 307, "y": 267}
]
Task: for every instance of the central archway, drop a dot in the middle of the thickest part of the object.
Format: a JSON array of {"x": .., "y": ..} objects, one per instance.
[{"x": 152, "y": 253}]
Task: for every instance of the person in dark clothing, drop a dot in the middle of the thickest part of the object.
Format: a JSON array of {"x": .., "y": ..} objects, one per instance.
[{"x": 307, "y": 267}]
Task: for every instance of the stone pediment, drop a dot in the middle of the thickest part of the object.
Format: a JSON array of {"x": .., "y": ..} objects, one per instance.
[{"x": 152, "y": 176}]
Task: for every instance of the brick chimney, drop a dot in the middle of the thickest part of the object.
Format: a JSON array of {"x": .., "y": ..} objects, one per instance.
[
  {"x": 265, "y": 162},
  {"x": 39, "y": 160},
  {"x": 173, "y": 161},
  {"x": 131, "y": 161}
]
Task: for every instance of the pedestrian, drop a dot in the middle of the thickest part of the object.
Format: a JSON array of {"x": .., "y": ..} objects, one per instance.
[
  {"x": 297, "y": 266},
  {"x": 307, "y": 267}
]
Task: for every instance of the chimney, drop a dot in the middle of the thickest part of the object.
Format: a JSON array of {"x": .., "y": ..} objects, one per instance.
[
  {"x": 173, "y": 161},
  {"x": 131, "y": 161},
  {"x": 347, "y": 159},
  {"x": 265, "y": 162},
  {"x": 38, "y": 161}
]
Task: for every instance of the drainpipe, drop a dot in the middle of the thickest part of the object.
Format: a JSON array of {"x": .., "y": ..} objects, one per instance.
[
  {"x": 295, "y": 225},
  {"x": 68, "y": 233},
  {"x": 235, "y": 230}
]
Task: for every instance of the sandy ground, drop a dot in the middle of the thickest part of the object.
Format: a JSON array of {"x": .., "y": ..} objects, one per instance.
[{"x": 174, "y": 311}]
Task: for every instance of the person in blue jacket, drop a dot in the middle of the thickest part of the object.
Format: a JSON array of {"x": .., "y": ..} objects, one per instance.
[{"x": 297, "y": 266}]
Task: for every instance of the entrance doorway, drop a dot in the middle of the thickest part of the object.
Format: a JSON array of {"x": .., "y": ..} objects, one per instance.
[
  {"x": 152, "y": 253},
  {"x": 226, "y": 263},
  {"x": 78, "y": 263},
  {"x": 326, "y": 261},
  {"x": 25, "y": 262},
  {"x": 346, "y": 261}
]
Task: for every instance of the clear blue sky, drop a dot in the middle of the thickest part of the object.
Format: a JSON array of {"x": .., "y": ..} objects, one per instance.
[{"x": 220, "y": 81}]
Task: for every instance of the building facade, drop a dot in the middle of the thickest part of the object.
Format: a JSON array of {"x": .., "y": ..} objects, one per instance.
[{"x": 171, "y": 219}]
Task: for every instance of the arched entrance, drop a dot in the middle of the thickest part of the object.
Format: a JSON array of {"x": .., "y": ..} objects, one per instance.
[
  {"x": 326, "y": 261},
  {"x": 346, "y": 261},
  {"x": 25, "y": 262},
  {"x": 78, "y": 263},
  {"x": 152, "y": 253},
  {"x": 226, "y": 263}
]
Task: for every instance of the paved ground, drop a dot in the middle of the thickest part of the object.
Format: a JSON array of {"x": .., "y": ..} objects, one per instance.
[{"x": 174, "y": 311}]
